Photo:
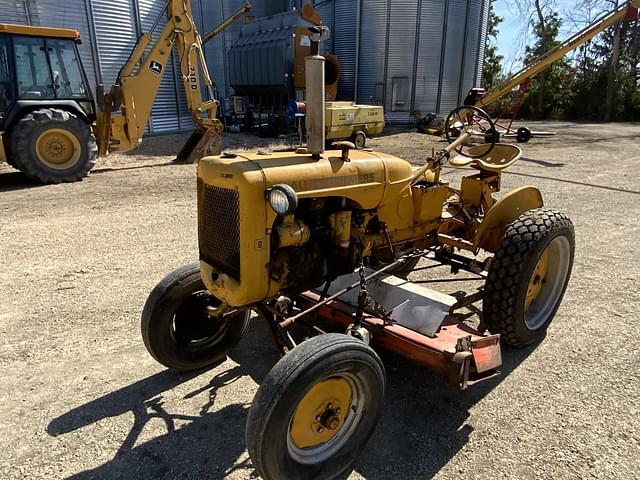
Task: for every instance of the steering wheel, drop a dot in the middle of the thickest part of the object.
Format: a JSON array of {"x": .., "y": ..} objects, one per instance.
[{"x": 474, "y": 122}]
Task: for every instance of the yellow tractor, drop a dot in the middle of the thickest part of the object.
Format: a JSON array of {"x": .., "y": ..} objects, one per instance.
[
  {"x": 291, "y": 234},
  {"x": 51, "y": 127}
]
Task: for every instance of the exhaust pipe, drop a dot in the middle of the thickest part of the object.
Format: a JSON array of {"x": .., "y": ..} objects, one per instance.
[{"x": 314, "y": 118}]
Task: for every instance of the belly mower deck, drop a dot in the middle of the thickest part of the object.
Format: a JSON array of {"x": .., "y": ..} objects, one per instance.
[{"x": 421, "y": 326}]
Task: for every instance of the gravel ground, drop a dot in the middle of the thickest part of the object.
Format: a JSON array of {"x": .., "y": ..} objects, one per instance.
[{"x": 81, "y": 398}]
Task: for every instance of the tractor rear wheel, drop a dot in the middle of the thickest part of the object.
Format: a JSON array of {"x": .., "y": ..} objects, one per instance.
[
  {"x": 50, "y": 145},
  {"x": 528, "y": 276},
  {"x": 176, "y": 328},
  {"x": 316, "y": 409}
]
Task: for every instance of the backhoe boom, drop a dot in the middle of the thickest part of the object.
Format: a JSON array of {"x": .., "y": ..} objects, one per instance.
[{"x": 139, "y": 79}]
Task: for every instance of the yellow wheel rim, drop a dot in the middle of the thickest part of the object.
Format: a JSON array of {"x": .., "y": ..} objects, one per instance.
[
  {"x": 58, "y": 148},
  {"x": 321, "y": 413},
  {"x": 537, "y": 279}
]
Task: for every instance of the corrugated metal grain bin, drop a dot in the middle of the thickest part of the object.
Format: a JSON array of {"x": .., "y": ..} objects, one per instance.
[
  {"x": 409, "y": 55},
  {"x": 404, "y": 54}
]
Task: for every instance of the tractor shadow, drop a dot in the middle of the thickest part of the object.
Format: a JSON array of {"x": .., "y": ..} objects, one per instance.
[
  {"x": 206, "y": 445},
  {"x": 13, "y": 180},
  {"x": 424, "y": 423}
]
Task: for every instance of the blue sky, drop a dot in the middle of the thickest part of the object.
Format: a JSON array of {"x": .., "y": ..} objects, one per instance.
[{"x": 512, "y": 37}]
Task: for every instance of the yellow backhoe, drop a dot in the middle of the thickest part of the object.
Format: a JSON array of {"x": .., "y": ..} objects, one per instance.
[{"x": 50, "y": 126}]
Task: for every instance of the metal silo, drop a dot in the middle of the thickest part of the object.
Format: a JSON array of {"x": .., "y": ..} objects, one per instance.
[
  {"x": 399, "y": 71},
  {"x": 344, "y": 42},
  {"x": 18, "y": 12},
  {"x": 409, "y": 54},
  {"x": 430, "y": 41},
  {"x": 482, "y": 39}
]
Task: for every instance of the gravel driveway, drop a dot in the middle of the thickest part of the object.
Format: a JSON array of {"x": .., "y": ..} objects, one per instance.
[{"x": 81, "y": 398}]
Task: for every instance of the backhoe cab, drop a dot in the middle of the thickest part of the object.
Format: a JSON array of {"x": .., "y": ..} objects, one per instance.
[{"x": 46, "y": 107}]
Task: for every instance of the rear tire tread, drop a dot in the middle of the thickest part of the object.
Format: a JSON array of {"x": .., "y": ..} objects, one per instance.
[
  {"x": 509, "y": 264},
  {"x": 26, "y": 132}
]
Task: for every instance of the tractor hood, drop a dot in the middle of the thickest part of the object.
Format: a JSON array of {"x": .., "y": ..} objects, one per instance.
[{"x": 369, "y": 179}]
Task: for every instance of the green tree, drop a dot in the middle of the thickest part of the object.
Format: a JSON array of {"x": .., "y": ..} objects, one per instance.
[
  {"x": 607, "y": 81},
  {"x": 548, "y": 91},
  {"x": 492, "y": 69}
]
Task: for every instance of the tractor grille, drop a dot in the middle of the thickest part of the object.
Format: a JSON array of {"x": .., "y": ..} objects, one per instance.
[{"x": 219, "y": 228}]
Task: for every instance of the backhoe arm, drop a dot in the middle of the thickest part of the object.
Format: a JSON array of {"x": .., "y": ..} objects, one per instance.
[{"x": 139, "y": 79}]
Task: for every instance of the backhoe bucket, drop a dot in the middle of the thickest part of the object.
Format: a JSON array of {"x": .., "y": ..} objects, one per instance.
[{"x": 204, "y": 141}]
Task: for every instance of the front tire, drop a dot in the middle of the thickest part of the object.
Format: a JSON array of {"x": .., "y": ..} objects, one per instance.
[
  {"x": 176, "y": 328},
  {"x": 316, "y": 409},
  {"x": 528, "y": 276},
  {"x": 52, "y": 146}
]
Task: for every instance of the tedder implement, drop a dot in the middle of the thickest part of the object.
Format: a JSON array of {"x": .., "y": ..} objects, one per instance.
[
  {"x": 320, "y": 244},
  {"x": 50, "y": 126}
]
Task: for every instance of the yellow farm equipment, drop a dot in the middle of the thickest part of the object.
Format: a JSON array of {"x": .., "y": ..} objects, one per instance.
[
  {"x": 50, "y": 125},
  {"x": 308, "y": 238}
]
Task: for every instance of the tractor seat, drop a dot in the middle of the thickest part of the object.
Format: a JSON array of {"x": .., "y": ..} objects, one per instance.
[{"x": 501, "y": 156}]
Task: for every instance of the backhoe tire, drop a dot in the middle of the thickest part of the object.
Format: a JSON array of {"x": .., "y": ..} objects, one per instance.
[
  {"x": 176, "y": 329},
  {"x": 528, "y": 276},
  {"x": 316, "y": 409},
  {"x": 50, "y": 145}
]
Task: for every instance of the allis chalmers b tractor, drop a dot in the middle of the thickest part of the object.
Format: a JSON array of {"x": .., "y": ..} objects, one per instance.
[{"x": 283, "y": 233}]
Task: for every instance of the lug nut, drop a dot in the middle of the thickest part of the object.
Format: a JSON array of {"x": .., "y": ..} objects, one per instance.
[
  {"x": 320, "y": 429},
  {"x": 334, "y": 422},
  {"x": 338, "y": 411}
]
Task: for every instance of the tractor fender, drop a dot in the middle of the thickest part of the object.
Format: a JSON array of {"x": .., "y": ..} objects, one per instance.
[{"x": 505, "y": 211}]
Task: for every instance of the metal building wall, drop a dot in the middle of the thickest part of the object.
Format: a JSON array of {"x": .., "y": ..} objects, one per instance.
[
  {"x": 344, "y": 41},
  {"x": 437, "y": 45},
  {"x": 482, "y": 38},
  {"x": 430, "y": 40},
  {"x": 17, "y": 11},
  {"x": 432, "y": 49},
  {"x": 372, "y": 54},
  {"x": 400, "y": 71}
]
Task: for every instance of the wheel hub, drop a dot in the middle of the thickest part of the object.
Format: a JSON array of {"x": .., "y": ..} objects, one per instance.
[
  {"x": 321, "y": 413},
  {"x": 192, "y": 325},
  {"x": 58, "y": 148},
  {"x": 537, "y": 279}
]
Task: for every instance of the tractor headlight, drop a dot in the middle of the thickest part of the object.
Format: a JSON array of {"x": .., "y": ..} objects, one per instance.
[{"x": 283, "y": 199}]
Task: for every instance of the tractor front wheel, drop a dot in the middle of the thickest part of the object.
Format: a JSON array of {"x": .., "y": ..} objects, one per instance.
[
  {"x": 52, "y": 146},
  {"x": 316, "y": 409},
  {"x": 528, "y": 276},
  {"x": 177, "y": 329}
]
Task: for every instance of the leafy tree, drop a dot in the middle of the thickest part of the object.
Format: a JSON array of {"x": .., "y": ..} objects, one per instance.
[
  {"x": 607, "y": 81},
  {"x": 492, "y": 70},
  {"x": 548, "y": 91}
]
